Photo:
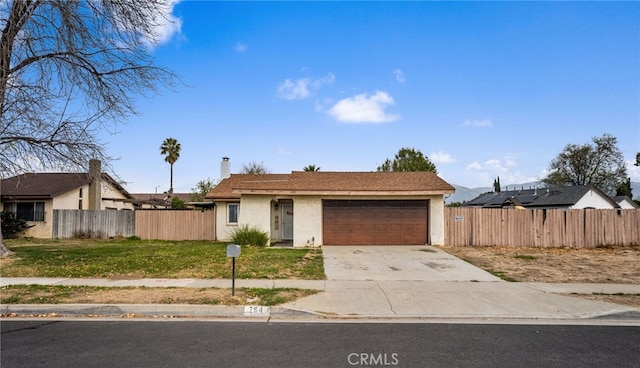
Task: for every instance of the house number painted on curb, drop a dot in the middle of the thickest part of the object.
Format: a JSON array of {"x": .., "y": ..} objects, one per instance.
[{"x": 256, "y": 311}]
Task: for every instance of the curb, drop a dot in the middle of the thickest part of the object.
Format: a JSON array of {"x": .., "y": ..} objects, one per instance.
[
  {"x": 249, "y": 312},
  {"x": 276, "y": 313}
]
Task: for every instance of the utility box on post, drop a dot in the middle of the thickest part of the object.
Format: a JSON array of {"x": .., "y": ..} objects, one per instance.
[{"x": 233, "y": 250}]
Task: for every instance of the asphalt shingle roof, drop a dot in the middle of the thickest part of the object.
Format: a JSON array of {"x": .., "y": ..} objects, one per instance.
[
  {"x": 48, "y": 185},
  {"x": 316, "y": 182}
]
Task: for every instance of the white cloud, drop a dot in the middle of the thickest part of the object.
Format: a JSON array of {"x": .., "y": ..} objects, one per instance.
[
  {"x": 486, "y": 172},
  {"x": 320, "y": 105},
  {"x": 473, "y": 166},
  {"x": 328, "y": 79},
  {"x": 633, "y": 172},
  {"x": 441, "y": 157},
  {"x": 494, "y": 165},
  {"x": 166, "y": 24},
  {"x": 364, "y": 109},
  {"x": 399, "y": 76},
  {"x": 240, "y": 48},
  {"x": 302, "y": 88},
  {"x": 486, "y": 123},
  {"x": 298, "y": 90}
]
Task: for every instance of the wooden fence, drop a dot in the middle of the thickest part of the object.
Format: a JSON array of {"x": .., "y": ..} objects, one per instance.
[
  {"x": 165, "y": 225},
  {"x": 175, "y": 225},
  {"x": 92, "y": 224},
  {"x": 541, "y": 228}
]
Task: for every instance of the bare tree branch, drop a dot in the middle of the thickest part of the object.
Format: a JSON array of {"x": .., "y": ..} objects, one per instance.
[{"x": 68, "y": 71}]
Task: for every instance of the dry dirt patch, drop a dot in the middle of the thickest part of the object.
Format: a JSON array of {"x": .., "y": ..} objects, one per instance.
[
  {"x": 615, "y": 265},
  {"x": 608, "y": 265},
  {"x": 39, "y": 294}
]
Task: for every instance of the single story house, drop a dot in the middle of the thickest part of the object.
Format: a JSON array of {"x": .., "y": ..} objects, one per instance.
[
  {"x": 570, "y": 197},
  {"x": 334, "y": 208},
  {"x": 34, "y": 196}
]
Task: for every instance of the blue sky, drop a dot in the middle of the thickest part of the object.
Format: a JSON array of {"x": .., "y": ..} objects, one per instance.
[{"x": 484, "y": 89}]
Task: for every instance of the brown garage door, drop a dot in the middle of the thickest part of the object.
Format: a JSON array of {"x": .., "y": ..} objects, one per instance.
[{"x": 384, "y": 222}]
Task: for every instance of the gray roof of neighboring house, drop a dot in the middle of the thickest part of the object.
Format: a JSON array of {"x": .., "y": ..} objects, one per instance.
[
  {"x": 48, "y": 185},
  {"x": 539, "y": 197}
]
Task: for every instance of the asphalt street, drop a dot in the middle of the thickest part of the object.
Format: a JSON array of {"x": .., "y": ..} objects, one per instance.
[{"x": 184, "y": 343}]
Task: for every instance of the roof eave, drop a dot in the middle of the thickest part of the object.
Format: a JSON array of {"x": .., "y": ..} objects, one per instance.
[
  {"x": 224, "y": 199},
  {"x": 344, "y": 192},
  {"x": 25, "y": 196}
]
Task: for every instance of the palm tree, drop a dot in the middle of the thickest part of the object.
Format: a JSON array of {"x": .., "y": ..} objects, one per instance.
[
  {"x": 171, "y": 148},
  {"x": 311, "y": 168}
]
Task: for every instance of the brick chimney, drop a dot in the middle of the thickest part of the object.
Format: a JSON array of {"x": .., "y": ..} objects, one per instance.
[
  {"x": 95, "y": 185},
  {"x": 225, "y": 168}
]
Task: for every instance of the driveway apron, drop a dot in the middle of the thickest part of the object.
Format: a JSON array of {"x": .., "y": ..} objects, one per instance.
[{"x": 384, "y": 263}]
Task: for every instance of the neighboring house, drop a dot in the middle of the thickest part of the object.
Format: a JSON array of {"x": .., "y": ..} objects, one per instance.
[
  {"x": 157, "y": 200},
  {"x": 162, "y": 201},
  {"x": 570, "y": 197},
  {"x": 626, "y": 203},
  {"x": 34, "y": 196},
  {"x": 334, "y": 208}
]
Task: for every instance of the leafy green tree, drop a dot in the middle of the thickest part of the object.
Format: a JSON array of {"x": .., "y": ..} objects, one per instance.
[
  {"x": 637, "y": 159},
  {"x": 625, "y": 189},
  {"x": 171, "y": 149},
  {"x": 456, "y": 204},
  {"x": 408, "y": 159},
  {"x": 496, "y": 185},
  {"x": 177, "y": 203},
  {"x": 600, "y": 164},
  {"x": 200, "y": 191},
  {"x": 254, "y": 168},
  {"x": 311, "y": 168}
]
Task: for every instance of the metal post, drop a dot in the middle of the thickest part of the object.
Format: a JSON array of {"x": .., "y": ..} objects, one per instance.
[{"x": 233, "y": 276}]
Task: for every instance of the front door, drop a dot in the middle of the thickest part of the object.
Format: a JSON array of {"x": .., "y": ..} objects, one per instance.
[{"x": 287, "y": 221}]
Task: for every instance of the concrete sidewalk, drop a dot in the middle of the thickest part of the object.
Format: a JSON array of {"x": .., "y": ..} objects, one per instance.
[{"x": 369, "y": 300}]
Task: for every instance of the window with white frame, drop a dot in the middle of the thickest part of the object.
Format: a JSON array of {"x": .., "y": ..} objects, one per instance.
[{"x": 232, "y": 212}]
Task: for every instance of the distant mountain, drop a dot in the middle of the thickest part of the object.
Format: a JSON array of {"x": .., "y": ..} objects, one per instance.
[
  {"x": 463, "y": 194},
  {"x": 466, "y": 194}
]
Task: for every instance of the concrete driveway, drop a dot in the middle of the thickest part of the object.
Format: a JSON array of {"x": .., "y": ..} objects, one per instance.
[{"x": 380, "y": 263}]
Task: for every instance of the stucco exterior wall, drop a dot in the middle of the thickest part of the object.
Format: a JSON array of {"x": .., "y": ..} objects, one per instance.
[
  {"x": 307, "y": 221},
  {"x": 255, "y": 211},
  {"x": 592, "y": 200},
  {"x": 70, "y": 200},
  {"x": 109, "y": 192},
  {"x": 224, "y": 229},
  {"x": 626, "y": 205},
  {"x": 436, "y": 219}
]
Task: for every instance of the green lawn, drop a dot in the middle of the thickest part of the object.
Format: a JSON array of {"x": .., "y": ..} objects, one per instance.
[{"x": 155, "y": 259}]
